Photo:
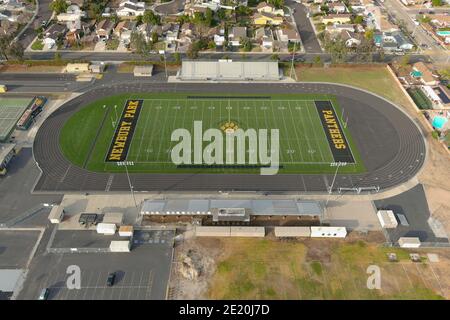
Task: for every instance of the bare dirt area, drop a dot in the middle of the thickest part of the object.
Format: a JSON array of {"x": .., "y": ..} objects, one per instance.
[
  {"x": 194, "y": 264},
  {"x": 245, "y": 268},
  {"x": 31, "y": 69}
]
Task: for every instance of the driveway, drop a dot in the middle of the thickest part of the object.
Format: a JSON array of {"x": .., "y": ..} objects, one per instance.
[
  {"x": 305, "y": 28},
  {"x": 44, "y": 14}
]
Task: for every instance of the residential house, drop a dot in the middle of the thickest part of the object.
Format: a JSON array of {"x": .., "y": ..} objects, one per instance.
[
  {"x": 218, "y": 35},
  {"x": 373, "y": 17},
  {"x": 192, "y": 10},
  {"x": 104, "y": 29},
  {"x": 352, "y": 39},
  {"x": 170, "y": 33},
  {"x": 187, "y": 36},
  {"x": 55, "y": 32},
  {"x": 287, "y": 35},
  {"x": 441, "y": 20},
  {"x": 7, "y": 15},
  {"x": 395, "y": 41},
  {"x": 264, "y": 36},
  {"x": 337, "y": 18},
  {"x": 267, "y": 18},
  {"x": 357, "y": 6},
  {"x": 264, "y": 7},
  {"x": 338, "y": 28},
  {"x": 73, "y": 36},
  {"x": 147, "y": 30},
  {"x": 236, "y": 35},
  {"x": 337, "y": 7},
  {"x": 131, "y": 8},
  {"x": 402, "y": 42},
  {"x": 124, "y": 29},
  {"x": 72, "y": 17},
  {"x": 426, "y": 74}
]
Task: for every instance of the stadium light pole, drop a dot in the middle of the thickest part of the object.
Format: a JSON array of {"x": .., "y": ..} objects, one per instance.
[
  {"x": 330, "y": 190},
  {"x": 292, "y": 62},
  {"x": 129, "y": 183},
  {"x": 163, "y": 52}
]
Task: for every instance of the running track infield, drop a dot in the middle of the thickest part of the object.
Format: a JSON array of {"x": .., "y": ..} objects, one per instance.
[{"x": 391, "y": 146}]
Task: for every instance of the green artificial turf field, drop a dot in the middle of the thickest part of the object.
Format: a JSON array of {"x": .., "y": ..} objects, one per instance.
[{"x": 87, "y": 136}]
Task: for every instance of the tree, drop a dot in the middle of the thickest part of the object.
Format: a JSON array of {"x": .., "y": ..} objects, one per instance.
[
  {"x": 247, "y": 45},
  {"x": 337, "y": 48},
  {"x": 317, "y": 60},
  {"x": 155, "y": 37},
  {"x": 209, "y": 19},
  {"x": 57, "y": 57},
  {"x": 369, "y": 34},
  {"x": 151, "y": 17},
  {"x": 58, "y": 6},
  {"x": 405, "y": 60},
  {"x": 5, "y": 41},
  {"x": 358, "y": 20},
  {"x": 436, "y": 3},
  {"x": 445, "y": 74},
  {"x": 221, "y": 14},
  {"x": 274, "y": 57},
  {"x": 365, "y": 50},
  {"x": 16, "y": 50},
  {"x": 276, "y": 3},
  {"x": 138, "y": 44},
  {"x": 177, "y": 57}
]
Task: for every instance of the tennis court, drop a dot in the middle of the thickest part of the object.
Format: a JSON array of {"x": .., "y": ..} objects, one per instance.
[{"x": 11, "y": 109}]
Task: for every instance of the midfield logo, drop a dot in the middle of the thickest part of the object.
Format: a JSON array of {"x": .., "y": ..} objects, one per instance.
[{"x": 259, "y": 152}]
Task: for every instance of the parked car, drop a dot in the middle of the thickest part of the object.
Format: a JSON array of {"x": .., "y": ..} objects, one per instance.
[
  {"x": 44, "y": 294},
  {"x": 110, "y": 280}
]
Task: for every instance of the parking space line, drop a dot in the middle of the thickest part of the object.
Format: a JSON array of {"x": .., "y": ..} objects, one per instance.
[
  {"x": 149, "y": 285},
  {"x": 94, "y": 297},
  {"x": 138, "y": 290},
  {"x": 124, "y": 282}
]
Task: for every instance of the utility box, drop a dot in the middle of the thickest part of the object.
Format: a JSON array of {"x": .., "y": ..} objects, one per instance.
[
  {"x": 120, "y": 246},
  {"x": 254, "y": 232},
  {"x": 291, "y": 232},
  {"x": 77, "y": 67},
  {"x": 126, "y": 231},
  {"x": 409, "y": 242},
  {"x": 106, "y": 228},
  {"x": 387, "y": 219},
  {"x": 56, "y": 214},
  {"x": 143, "y": 71},
  {"x": 328, "y": 232}
]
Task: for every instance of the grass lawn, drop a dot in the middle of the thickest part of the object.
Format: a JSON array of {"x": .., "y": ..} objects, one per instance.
[
  {"x": 37, "y": 45},
  {"x": 268, "y": 269},
  {"x": 375, "y": 79},
  {"x": 87, "y": 136}
]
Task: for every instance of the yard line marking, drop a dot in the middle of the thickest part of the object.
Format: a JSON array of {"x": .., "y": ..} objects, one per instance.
[
  {"x": 143, "y": 132},
  {"x": 161, "y": 132},
  {"x": 317, "y": 145},
  {"x": 295, "y": 130},
  {"x": 305, "y": 129}
]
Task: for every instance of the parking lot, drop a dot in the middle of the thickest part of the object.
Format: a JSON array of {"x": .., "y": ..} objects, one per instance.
[
  {"x": 16, "y": 247},
  {"x": 141, "y": 274}
]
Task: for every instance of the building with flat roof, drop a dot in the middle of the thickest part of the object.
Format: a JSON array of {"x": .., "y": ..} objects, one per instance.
[
  {"x": 218, "y": 211},
  {"x": 228, "y": 70}
]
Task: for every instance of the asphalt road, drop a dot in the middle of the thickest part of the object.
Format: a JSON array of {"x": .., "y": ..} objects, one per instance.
[
  {"x": 399, "y": 12},
  {"x": 306, "y": 30},
  {"x": 44, "y": 14},
  {"x": 15, "y": 190},
  {"x": 173, "y": 7}
]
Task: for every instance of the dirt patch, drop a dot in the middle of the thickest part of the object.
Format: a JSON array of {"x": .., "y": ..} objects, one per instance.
[
  {"x": 31, "y": 69},
  {"x": 194, "y": 264}
]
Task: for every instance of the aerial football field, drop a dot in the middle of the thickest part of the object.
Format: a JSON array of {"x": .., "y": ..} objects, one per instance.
[{"x": 135, "y": 129}]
